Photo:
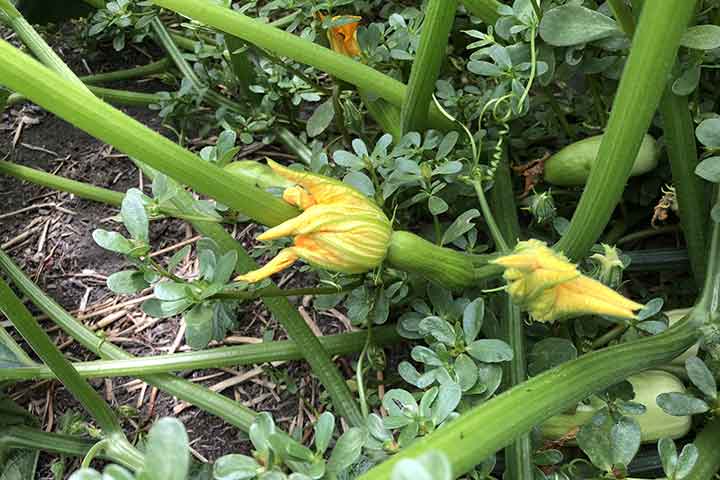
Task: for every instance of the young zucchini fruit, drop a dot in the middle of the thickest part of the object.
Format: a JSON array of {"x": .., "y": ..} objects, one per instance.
[
  {"x": 654, "y": 423},
  {"x": 570, "y": 167}
]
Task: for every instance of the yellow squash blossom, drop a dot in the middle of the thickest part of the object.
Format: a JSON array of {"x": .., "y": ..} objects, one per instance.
[
  {"x": 551, "y": 288},
  {"x": 343, "y": 38},
  {"x": 340, "y": 229}
]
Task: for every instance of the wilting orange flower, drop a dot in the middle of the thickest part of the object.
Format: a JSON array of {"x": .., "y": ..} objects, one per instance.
[
  {"x": 343, "y": 38},
  {"x": 340, "y": 229},
  {"x": 551, "y": 288}
]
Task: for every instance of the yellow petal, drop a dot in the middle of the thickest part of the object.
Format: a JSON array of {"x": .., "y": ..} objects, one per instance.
[
  {"x": 299, "y": 197},
  {"x": 282, "y": 260},
  {"x": 323, "y": 189},
  {"x": 591, "y": 287}
]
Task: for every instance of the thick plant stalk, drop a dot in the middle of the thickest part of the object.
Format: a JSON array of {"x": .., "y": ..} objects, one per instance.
[
  {"x": 119, "y": 448},
  {"x": 225, "y": 408},
  {"x": 450, "y": 268},
  {"x": 152, "y": 68},
  {"x": 692, "y": 191},
  {"x": 436, "y": 28},
  {"x": 485, "y": 10},
  {"x": 682, "y": 151},
  {"x": 22, "y": 437},
  {"x": 385, "y": 114},
  {"x": 44, "y": 87},
  {"x": 286, "y": 44},
  {"x": 80, "y": 189},
  {"x": 651, "y": 58},
  {"x": 277, "y": 351},
  {"x": 485, "y": 429},
  {"x": 35, "y": 42},
  {"x": 518, "y": 455},
  {"x": 110, "y": 95},
  {"x": 623, "y": 15}
]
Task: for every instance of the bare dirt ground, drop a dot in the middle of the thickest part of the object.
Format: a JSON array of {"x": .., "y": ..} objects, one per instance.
[{"x": 48, "y": 234}]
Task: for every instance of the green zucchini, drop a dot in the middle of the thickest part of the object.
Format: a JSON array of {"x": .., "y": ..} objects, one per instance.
[
  {"x": 570, "y": 167},
  {"x": 654, "y": 423}
]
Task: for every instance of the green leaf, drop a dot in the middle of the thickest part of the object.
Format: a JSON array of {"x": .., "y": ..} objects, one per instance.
[
  {"x": 171, "y": 291},
  {"x": 701, "y": 37},
  {"x": 168, "y": 451},
  {"x": 348, "y": 160},
  {"x": 549, "y": 353},
  {"x": 687, "y": 460},
  {"x": 112, "y": 241},
  {"x": 573, "y": 25},
  {"x": 347, "y": 450},
  {"x": 490, "y": 351},
  {"x": 260, "y": 432},
  {"x": 161, "y": 309},
  {"x": 446, "y": 402},
  {"x": 709, "y": 169},
  {"x": 701, "y": 377},
  {"x": 324, "y": 429},
  {"x": 178, "y": 257},
  {"x": 225, "y": 268},
  {"x": 235, "y": 467},
  {"x": 686, "y": 83},
  {"x": 321, "y": 119},
  {"x": 361, "y": 182},
  {"x": 681, "y": 404},
  {"x": 625, "y": 438},
  {"x": 398, "y": 401},
  {"x": 460, "y": 226},
  {"x": 438, "y": 328},
  {"x": 473, "y": 316},
  {"x": 708, "y": 132},
  {"x": 437, "y": 205},
  {"x": 8, "y": 359},
  {"x": 466, "y": 371},
  {"x": 127, "y": 282},
  {"x": 668, "y": 455},
  {"x": 199, "y": 326},
  {"x": 134, "y": 216},
  {"x": 18, "y": 464}
]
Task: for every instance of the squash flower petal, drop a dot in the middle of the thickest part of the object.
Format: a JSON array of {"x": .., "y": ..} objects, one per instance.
[
  {"x": 551, "y": 288},
  {"x": 340, "y": 229},
  {"x": 343, "y": 38}
]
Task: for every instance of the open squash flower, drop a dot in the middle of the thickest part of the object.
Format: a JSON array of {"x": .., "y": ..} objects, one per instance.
[
  {"x": 551, "y": 288},
  {"x": 340, "y": 229},
  {"x": 343, "y": 38}
]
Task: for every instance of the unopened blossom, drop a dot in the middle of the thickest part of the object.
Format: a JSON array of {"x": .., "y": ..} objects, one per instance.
[
  {"x": 340, "y": 229},
  {"x": 544, "y": 283}
]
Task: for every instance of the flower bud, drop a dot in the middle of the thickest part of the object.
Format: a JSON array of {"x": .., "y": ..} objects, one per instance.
[
  {"x": 608, "y": 266},
  {"x": 340, "y": 229},
  {"x": 551, "y": 288}
]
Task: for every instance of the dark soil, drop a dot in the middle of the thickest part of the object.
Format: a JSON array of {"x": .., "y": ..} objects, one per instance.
[{"x": 61, "y": 256}]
